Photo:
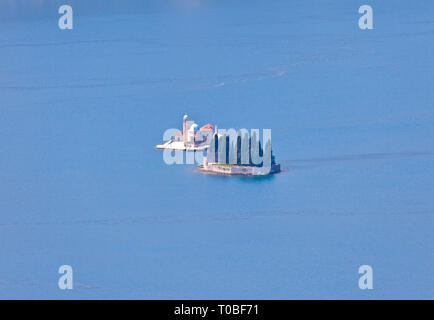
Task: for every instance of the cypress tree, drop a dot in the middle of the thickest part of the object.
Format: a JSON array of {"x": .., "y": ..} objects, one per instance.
[
  {"x": 266, "y": 160},
  {"x": 254, "y": 150},
  {"x": 222, "y": 149},
  {"x": 212, "y": 150},
  {"x": 238, "y": 148},
  {"x": 245, "y": 150},
  {"x": 233, "y": 153},
  {"x": 228, "y": 146}
]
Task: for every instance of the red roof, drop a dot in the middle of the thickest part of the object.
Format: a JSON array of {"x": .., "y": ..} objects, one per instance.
[{"x": 207, "y": 127}]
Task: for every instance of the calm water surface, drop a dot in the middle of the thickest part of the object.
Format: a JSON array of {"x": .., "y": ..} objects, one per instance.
[{"x": 352, "y": 119}]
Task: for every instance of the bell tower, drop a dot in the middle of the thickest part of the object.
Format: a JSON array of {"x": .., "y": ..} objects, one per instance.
[{"x": 184, "y": 129}]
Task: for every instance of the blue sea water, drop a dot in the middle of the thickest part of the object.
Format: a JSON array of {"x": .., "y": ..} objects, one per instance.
[{"x": 352, "y": 119}]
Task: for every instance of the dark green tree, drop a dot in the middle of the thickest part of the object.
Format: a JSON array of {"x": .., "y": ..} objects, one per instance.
[
  {"x": 233, "y": 153},
  {"x": 212, "y": 154},
  {"x": 266, "y": 159},
  {"x": 228, "y": 147},
  {"x": 254, "y": 150},
  {"x": 245, "y": 149},
  {"x": 222, "y": 149},
  {"x": 238, "y": 147}
]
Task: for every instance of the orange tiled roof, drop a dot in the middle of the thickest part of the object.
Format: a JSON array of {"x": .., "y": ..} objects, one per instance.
[{"x": 207, "y": 127}]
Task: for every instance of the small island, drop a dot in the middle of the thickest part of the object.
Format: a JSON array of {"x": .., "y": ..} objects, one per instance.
[
  {"x": 226, "y": 152},
  {"x": 244, "y": 156}
]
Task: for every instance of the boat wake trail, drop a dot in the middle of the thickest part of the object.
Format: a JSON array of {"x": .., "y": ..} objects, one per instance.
[{"x": 309, "y": 162}]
